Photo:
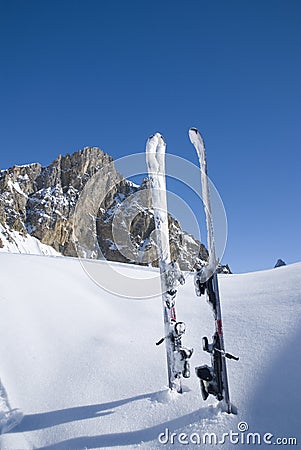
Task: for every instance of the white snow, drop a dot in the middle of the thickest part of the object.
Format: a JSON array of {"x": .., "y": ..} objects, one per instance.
[
  {"x": 15, "y": 185},
  {"x": 25, "y": 165},
  {"x": 14, "y": 242},
  {"x": 83, "y": 366}
]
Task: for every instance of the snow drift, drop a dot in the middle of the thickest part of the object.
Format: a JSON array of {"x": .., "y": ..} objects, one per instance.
[{"x": 83, "y": 366}]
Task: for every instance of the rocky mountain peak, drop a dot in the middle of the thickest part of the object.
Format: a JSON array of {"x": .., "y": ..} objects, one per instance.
[
  {"x": 41, "y": 201},
  {"x": 75, "y": 169}
]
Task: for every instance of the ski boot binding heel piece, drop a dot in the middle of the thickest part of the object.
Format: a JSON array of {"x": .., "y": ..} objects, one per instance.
[
  {"x": 207, "y": 381},
  {"x": 185, "y": 354}
]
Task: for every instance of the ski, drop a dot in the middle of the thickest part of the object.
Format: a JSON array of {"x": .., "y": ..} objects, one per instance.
[
  {"x": 214, "y": 379},
  {"x": 170, "y": 274}
]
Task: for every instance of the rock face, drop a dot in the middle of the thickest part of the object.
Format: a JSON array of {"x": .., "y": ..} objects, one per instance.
[
  {"x": 41, "y": 200},
  {"x": 80, "y": 203},
  {"x": 16, "y": 184},
  {"x": 279, "y": 263},
  {"x": 129, "y": 235},
  {"x": 223, "y": 268}
]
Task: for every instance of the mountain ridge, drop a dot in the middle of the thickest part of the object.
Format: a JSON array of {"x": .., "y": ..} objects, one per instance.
[{"x": 41, "y": 202}]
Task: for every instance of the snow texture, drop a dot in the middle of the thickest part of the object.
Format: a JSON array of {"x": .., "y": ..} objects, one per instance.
[
  {"x": 83, "y": 366},
  {"x": 14, "y": 242}
]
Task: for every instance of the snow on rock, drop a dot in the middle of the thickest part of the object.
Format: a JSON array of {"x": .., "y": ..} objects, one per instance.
[
  {"x": 84, "y": 191},
  {"x": 83, "y": 366},
  {"x": 15, "y": 242}
]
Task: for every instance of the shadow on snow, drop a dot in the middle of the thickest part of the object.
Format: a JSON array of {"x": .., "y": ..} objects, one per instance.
[
  {"x": 275, "y": 407},
  {"x": 41, "y": 421}
]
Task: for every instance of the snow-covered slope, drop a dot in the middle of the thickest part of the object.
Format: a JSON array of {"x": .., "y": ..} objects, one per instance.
[
  {"x": 84, "y": 368},
  {"x": 14, "y": 242}
]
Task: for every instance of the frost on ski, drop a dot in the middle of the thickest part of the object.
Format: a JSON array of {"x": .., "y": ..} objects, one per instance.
[
  {"x": 216, "y": 221},
  {"x": 155, "y": 155}
]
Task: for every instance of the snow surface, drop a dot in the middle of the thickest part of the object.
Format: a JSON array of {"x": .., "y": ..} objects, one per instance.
[
  {"x": 84, "y": 368},
  {"x": 14, "y": 242}
]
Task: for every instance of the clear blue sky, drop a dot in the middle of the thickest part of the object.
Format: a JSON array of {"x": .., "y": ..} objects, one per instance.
[{"x": 110, "y": 73}]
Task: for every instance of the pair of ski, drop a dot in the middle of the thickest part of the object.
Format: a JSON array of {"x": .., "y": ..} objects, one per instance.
[{"x": 214, "y": 379}]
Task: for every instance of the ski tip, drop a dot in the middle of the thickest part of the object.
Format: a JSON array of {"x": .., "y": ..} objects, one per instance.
[
  {"x": 194, "y": 135},
  {"x": 193, "y": 131},
  {"x": 155, "y": 143},
  {"x": 156, "y": 136},
  {"x": 162, "y": 139}
]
